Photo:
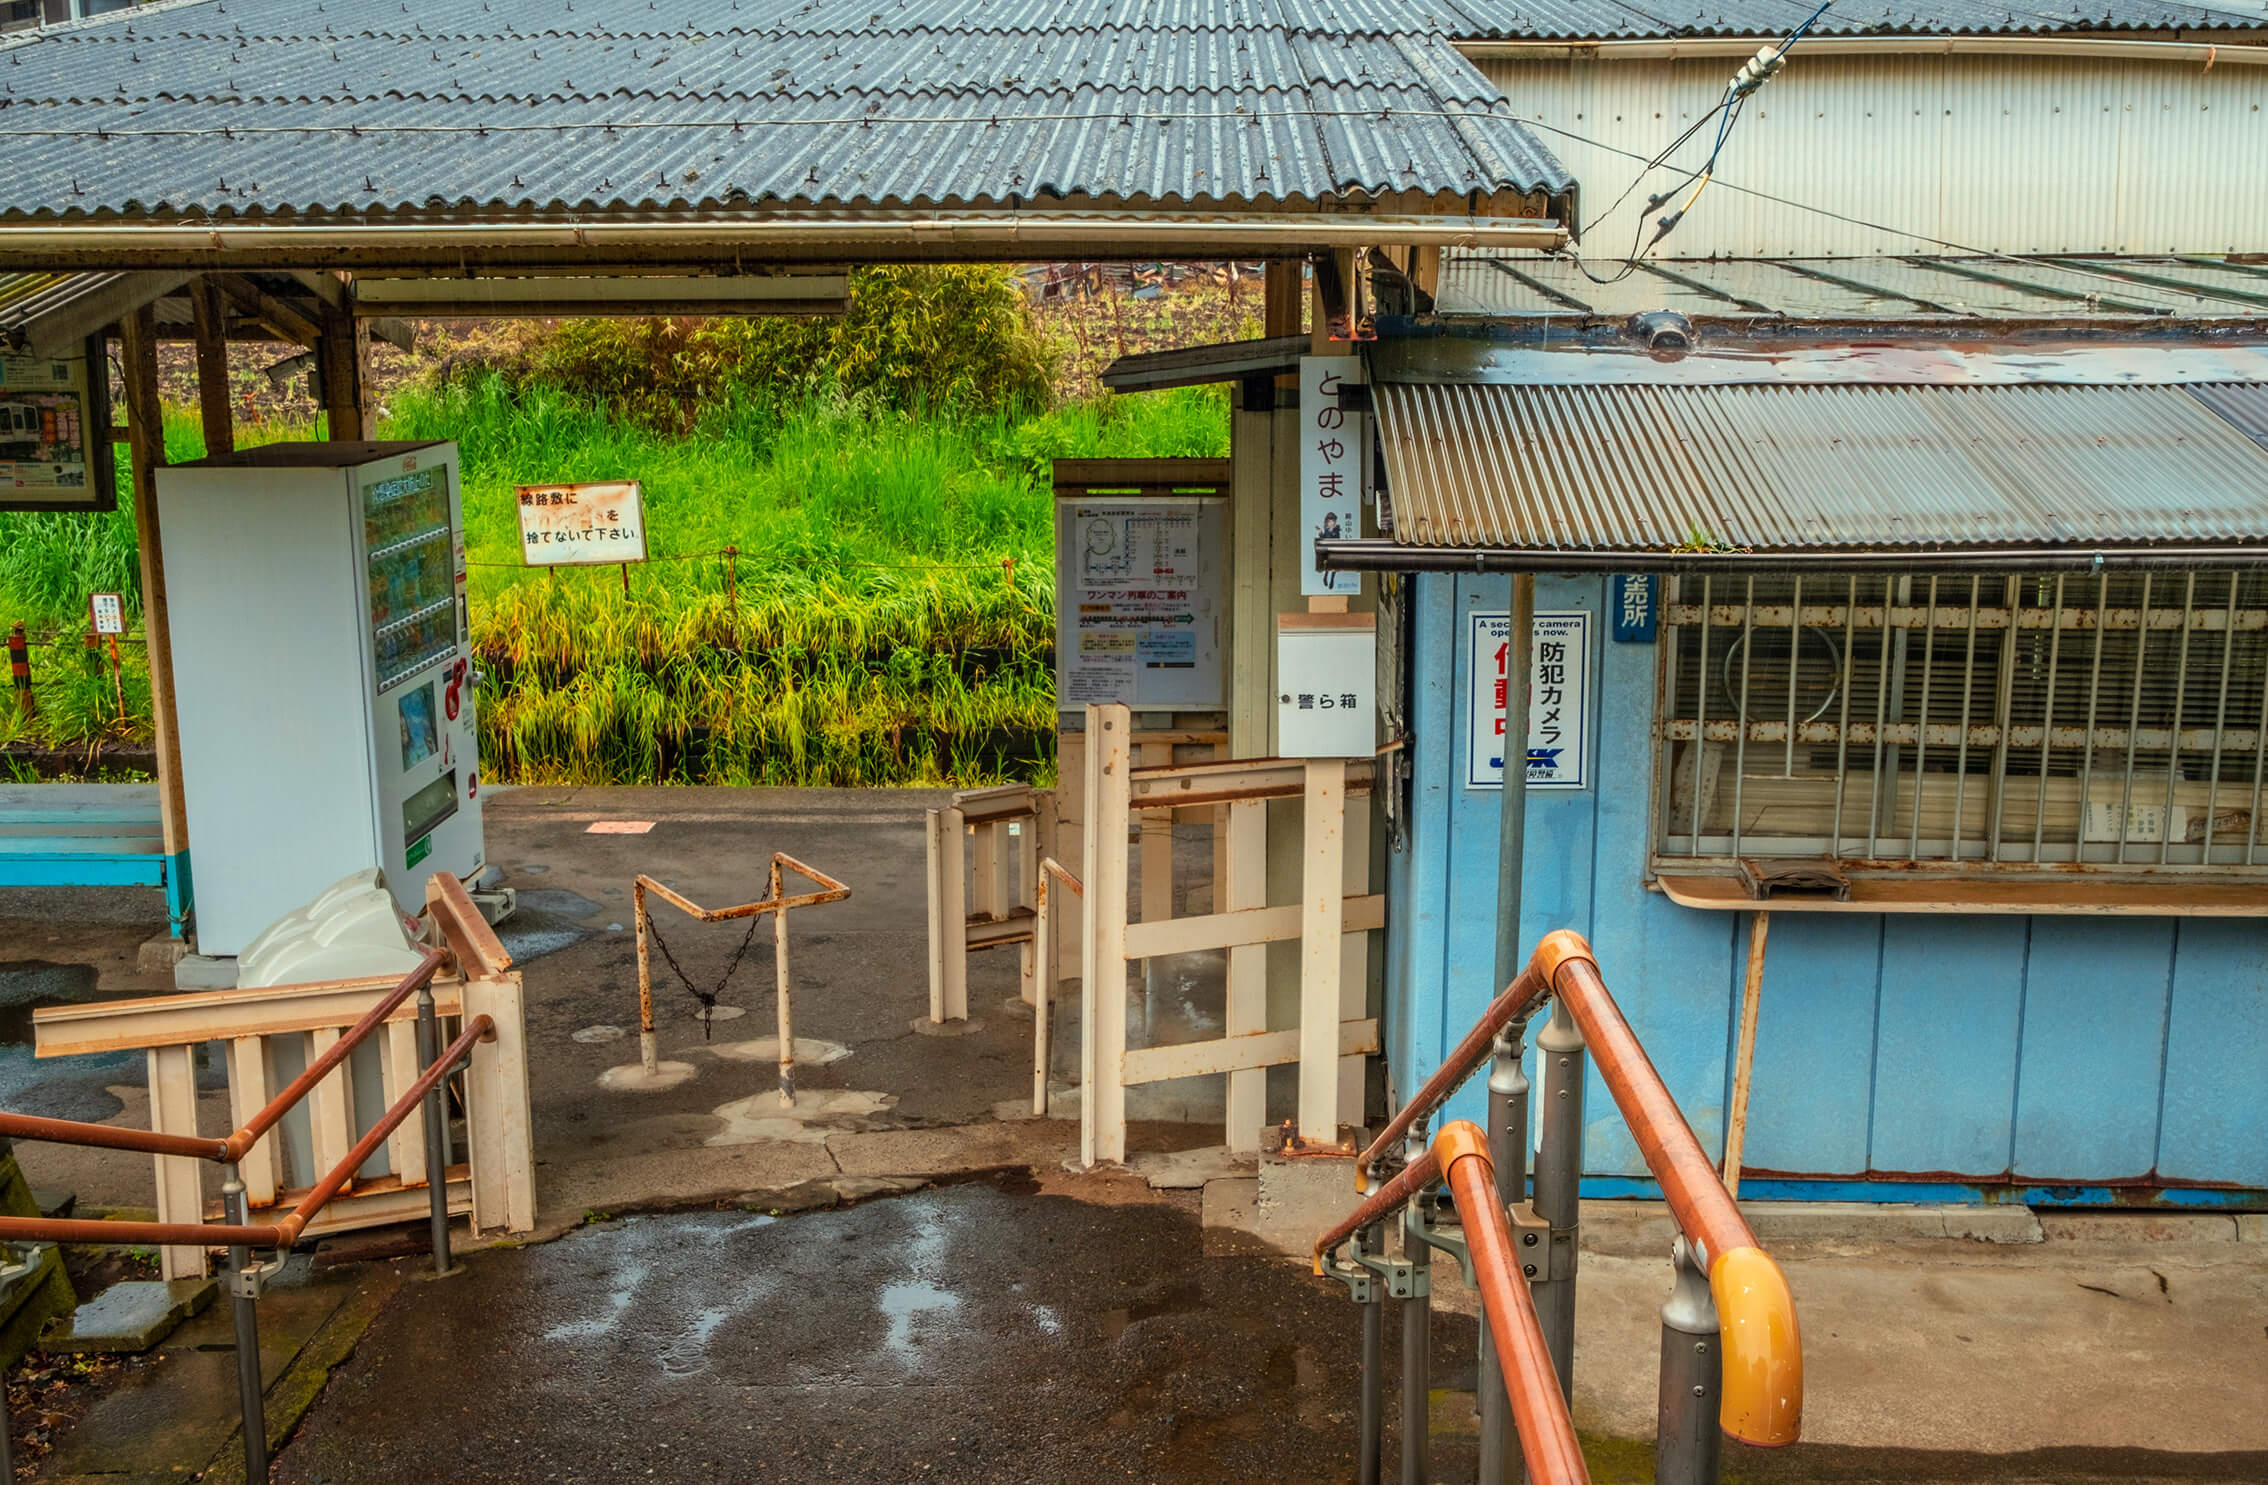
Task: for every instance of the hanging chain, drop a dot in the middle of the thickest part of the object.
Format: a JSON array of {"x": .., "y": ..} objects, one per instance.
[{"x": 707, "y": 998}]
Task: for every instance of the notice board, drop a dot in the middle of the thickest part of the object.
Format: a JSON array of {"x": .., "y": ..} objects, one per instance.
[
  {"x": 1140, "y": 599},
  {"x": 55, "y": 431}
]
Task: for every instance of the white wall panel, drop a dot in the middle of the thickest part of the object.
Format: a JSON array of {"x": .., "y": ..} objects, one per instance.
[{"x": 2005, "y": 154}]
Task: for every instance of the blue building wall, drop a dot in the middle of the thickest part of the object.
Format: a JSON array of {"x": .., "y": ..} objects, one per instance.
[{"x": 1899, "y": 1057}]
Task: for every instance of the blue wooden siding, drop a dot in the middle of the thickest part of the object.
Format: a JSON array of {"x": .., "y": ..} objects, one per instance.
[{"x": 2053, "y": 1057}]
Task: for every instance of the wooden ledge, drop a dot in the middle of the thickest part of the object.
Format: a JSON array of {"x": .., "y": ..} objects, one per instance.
[{"x": 2185, "y": 898}]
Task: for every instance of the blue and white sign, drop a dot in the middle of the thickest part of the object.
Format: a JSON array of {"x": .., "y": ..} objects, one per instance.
[
  {"x": 1559, "y": 701},
  {"x": 1630, "y": 603}
]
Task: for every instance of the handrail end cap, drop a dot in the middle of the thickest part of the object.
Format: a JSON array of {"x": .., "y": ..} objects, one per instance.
[
  {"x": 1555, "y": 950},
  {"x": 1762, "y": 1400}
]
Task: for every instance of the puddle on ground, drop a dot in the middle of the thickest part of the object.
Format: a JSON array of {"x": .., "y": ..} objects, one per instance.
[
  {"x": 63, "y": 1088},
  {"x": 547, "y": 920}
]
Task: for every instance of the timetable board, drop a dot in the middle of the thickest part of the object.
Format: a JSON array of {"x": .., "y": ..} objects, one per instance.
[{"x": 1140, "y": 599}]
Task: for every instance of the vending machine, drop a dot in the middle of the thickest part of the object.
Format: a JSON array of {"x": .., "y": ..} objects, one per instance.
[{"x": 322, "y": 669}]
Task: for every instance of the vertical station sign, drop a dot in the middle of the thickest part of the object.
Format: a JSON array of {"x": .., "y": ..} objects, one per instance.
[
  {"x": 1331, "y": 451},
  {"x": 1559, "y": 701}
]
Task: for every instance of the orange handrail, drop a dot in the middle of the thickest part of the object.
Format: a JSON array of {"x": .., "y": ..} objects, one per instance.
[
  {"x": 1527, "y": 988},
  {"x": 278, "y": 1234},
  {"x": 1459, "y": 1154},
  {"x": 1531, "y": 1382},
  {"x": 239, "y": 1142},
  {"x": 1761, "y": 1343}
]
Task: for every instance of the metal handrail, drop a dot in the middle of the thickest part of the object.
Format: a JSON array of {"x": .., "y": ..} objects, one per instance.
[
  {"x": 237, "y": 1144},
  {"x": 475, "y": 952},
  {"x": 1744, "y": 1306},
  {"x": 281, "y": 1233},
  {"x": 830, "y": 890}
]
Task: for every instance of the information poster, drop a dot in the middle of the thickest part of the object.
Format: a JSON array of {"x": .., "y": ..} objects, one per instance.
[
  {"x": 601, "y": 521},
  {"x": 1330, "y": 467},
  {"x": 1138, "y": 602},
  {"x": 1559, "y": 701},
  {"x": 54, "y": 434}
]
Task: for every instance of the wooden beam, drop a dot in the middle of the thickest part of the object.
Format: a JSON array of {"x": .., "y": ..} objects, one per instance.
[
  {"x": 1242, "y": 927},
  {"x": 343, "y": 353},
  {"x": 221, "y": 1015},
  {"x": 1102, "y": 1119},
  {"x": 250, "y": 299},
  {"x": 210, "y": 318},
  {"x": 1244, "y": 886},
  {"x": 1236, "y": 1055},
  {"x": 145, "y": 424},
  {"x": 1322, "y": 908}
]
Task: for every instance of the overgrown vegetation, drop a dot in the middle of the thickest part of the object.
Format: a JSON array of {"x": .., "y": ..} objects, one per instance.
[{"x": 888, "y": 617}]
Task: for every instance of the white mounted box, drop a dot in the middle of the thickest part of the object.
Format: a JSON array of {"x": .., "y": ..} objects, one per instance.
[
  {"x": 1326, "y": 685},
  {"x": 322, "y": 674}
]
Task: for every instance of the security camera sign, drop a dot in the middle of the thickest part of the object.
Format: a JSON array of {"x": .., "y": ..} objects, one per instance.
[
  {"x": 599, "y": 521},
  {"x": 1559, "y": 700}
]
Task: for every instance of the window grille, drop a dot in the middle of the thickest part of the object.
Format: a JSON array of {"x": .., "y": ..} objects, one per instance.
[{"x": 2109, "y": 721}]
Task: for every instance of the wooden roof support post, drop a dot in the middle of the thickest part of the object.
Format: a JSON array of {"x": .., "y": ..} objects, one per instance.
[
  {"x": 343, "y": 352},
  {"x": 145, "y": 441},
  {"x": 208, "y": 314}
]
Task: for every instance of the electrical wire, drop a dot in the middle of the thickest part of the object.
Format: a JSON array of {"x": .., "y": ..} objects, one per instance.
[{"x": 1727, "y": 113}]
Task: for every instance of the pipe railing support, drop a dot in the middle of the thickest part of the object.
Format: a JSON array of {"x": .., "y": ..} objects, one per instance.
[
  {"x": 244, "y": 1292},
  {"x": 1417, "y": 1332},
  {"x": 436, "y": 1135},
  {"x": 1686, "y": 1435},
  {"x": 1559, "y": 1174}
]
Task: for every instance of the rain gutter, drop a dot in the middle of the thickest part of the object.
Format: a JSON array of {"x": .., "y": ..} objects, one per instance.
[
  {"x": 1349, "y": 555},
  {"x": 457, "y": 245},
  {"x": 1675, "y": 49}
]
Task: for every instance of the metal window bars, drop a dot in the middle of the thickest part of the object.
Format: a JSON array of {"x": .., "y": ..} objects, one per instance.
[
  {"x": 468, "y": 952},
  {"x": 1729, "y": 1329},
  {"x": 2116, "y": 721},
  {"x": 778, "y": 903}
]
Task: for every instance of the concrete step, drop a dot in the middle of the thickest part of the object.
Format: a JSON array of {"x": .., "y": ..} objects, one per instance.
[{"x": 129, "y": 1317}]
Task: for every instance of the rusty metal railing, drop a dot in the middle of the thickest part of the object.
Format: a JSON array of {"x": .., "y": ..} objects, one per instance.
[
  {"x": 470, "y": 952},
  {"x": 1729, "y": 1329},
  {"x": 779, "y": 904}
]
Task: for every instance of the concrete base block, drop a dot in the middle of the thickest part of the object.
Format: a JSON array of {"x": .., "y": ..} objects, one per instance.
[
  {"x": 1294, "y": 1198},
  {"x": 1637, "y": 1229},
  {"x": 130, "y": 1317},
  {"x": 1189, "y": 1170},
  {"x": 2141, "y": 1227},
  {"x": 159, "y": 955},
  {"x": 203, "y": 972}
]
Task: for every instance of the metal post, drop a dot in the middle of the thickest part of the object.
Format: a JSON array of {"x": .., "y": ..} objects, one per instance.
[
  {"x": 649, "y": 1050},
  {"x": 1417, "y": 1333},
  {"x": 251, "y": 1398},
  {"x": 436, "y": 1132},
  {"x": 1370, "y": 1433},
  {"x": 787, "y": 1020},
  {"x": 1559, "y": 1174},
  {"x": 1508, "y": 1148},
  {"x": 1685, "y": 1427}
]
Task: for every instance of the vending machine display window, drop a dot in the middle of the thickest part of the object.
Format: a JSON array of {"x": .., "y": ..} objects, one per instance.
[{"x": 413, "y": 610}]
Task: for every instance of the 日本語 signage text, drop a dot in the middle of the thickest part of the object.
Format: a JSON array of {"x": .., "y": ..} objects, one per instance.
[
  {"x": 1330, "y": 467},
  {"x": 603, "y": 521},
  {"x": 1559, "y": 701}
]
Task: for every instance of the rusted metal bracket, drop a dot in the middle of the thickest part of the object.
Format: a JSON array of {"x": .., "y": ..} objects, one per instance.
[
  {"x": 1545, "y": 1252},
  {"x": 1374, "y": 1276},
  {"x": 1449, "y": 1239}
]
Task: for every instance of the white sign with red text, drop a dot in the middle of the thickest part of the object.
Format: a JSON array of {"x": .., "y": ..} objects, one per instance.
[{"x": 1559, "y": 701}]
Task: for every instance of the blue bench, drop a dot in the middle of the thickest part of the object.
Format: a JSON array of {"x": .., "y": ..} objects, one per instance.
[{"x": 90, "y": 835}]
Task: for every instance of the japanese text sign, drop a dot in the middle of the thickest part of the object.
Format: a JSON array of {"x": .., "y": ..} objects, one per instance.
[
  {"x": 603, "y": 521},
  {"x": 1630, "y": 604},
  {"x": 1331, "y": 450},
  {"x": 1559, "y": 701},
  {"x": 108, "y": 612},
  {"x": 1326, "y": 685}
]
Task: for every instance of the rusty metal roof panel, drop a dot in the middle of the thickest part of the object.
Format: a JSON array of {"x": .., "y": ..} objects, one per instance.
[
  {"x": 1599, "y": 20},
  {"x": 1789, "y": 469},
  {"x": 270, "y": 106}
]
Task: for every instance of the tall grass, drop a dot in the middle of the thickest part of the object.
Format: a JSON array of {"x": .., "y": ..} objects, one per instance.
[{"x": 891, "y": 619}]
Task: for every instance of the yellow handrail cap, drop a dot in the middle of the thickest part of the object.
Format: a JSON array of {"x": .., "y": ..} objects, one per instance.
[{"x": 1763, "y": 1350}]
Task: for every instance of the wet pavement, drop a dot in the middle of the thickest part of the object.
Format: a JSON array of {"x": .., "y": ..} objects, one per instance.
[{"x": 970, "y": 1333}]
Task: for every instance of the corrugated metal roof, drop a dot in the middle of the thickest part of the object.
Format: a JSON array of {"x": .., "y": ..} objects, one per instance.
[
  {"x": 1599, "y": 20},
  {"x": 1774, "y": 469},
  {"x": 267, "y": 106},
  {"x": 2090, "y": 289}
]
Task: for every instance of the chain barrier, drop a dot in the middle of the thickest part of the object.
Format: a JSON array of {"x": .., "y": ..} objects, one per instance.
[{"x": 708, "y": 998}]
